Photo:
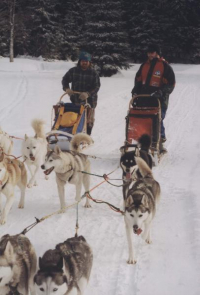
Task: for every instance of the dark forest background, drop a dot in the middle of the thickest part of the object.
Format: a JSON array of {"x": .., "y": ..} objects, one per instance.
[{"x": 115, "y": 32}]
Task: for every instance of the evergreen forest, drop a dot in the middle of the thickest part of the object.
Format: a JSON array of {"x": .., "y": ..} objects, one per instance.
[{"x": 115, "y": 32}]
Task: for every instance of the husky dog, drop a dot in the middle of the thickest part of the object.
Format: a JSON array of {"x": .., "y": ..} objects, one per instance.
[
  {"x": 66, "y": 269},
  {"x": 18, "y": 264},
  {"x": 68, "y": 166},
  {"x": 141, "y": 198},
  {"x": 6, "y": 143},
  {"x": 34, "y": 150},
  {"x": 12, "y": 173},
  {"x": 127, "y": 160}
]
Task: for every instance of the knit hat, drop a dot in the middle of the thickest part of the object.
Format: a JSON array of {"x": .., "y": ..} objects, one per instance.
[
  {"x": 85, "y": 56},
  {"x": 154, "y": 48}
]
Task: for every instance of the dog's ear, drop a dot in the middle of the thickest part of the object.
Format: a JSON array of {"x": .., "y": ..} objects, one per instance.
[
  {"x": 9, "y": 251},
  {"x": 129, "y": 201},
  {"x": 25, "y": 137},
  {"x": 49, "y": 149},
  {"x": 144, "y": 200},
  {"x": 57, "y": 150}
]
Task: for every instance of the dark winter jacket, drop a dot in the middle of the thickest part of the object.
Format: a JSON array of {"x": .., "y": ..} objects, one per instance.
[
  {"x": 155, "y": 75},
  {"x": 82, "y": 81}
]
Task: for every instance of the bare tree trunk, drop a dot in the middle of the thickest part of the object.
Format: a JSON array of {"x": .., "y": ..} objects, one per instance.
[{"x": 12, "y": 24}]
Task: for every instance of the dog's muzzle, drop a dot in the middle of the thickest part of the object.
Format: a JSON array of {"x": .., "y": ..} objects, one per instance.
[
  {"x": 47, "y": 171},
  {"x": 137, "y": 230},
  {"x": 32, "y": 158}
]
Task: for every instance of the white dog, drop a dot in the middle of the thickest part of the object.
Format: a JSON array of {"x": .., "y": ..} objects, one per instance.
[
  {"x": 34, "y": 150},
  {"x": 6, "y": 142}
]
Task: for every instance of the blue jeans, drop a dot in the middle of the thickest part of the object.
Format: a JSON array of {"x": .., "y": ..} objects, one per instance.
[{"x": 163, "y": 114}]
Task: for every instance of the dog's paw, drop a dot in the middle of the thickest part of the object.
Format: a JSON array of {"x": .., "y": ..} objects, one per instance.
[
  {"x": 46, "y": 177},
  {"x": 62, "y": 209},
  {"x": 131, "y": 261},
  {"x": 2, "y": 221},
  {"x": 29, "y": 185},
  {"x": 87, "y": 206},
  {"x": 148, "y": 241},
  {"x": 21, "y": 206}
]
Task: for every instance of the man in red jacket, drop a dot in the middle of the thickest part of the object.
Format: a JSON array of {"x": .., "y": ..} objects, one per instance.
[{"x": 155, "y": 77}]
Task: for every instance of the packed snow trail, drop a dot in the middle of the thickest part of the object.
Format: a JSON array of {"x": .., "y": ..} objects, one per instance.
[{"x": 171, "y": 264}]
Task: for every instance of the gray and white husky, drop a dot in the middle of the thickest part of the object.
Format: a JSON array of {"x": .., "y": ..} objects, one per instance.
[
  {"x": 68, "y": 166},
  {"x": 141, "y": 198},
  {"x": 18, "y": 263},
  {"x": 34, "y": 150},
  {"x": 66, "y": 269}
]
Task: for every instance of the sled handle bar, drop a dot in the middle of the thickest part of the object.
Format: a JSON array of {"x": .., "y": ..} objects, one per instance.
[
  {"x": 140, "y": 95},
  {"x": 86, "y": 105},
  {"x": 76, "y": 92}
]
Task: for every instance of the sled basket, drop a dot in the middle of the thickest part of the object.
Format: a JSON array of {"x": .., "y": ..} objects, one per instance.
[
  {"x": 69, "y": 119},
  {"x": 144, "y": 116}
]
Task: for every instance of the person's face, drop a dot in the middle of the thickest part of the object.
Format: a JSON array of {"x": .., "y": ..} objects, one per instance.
[
  {"x": 152, "y": 55},
  {"x": 84, "y": 64}
]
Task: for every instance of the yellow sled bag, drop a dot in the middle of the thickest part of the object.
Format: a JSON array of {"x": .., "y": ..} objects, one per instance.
[{"x": 68, "y": 119}]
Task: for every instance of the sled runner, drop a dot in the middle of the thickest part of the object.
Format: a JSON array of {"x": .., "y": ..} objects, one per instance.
[
  {"x": 69, "y": 119},
  {"x": 144, "y": 117}
]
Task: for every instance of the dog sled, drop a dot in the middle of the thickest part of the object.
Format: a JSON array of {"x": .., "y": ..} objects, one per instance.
[
  {"x": 69, "y": 119},
  {"x": 144, "y": 117}
]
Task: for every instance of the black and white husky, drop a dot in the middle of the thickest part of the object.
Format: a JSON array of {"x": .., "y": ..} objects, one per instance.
[
  {"x": 141, "y": 198},
  {"x": 66, "y": 269},
  {"x": 68, "y": 166},
  {"x": 127, "y": 160}
]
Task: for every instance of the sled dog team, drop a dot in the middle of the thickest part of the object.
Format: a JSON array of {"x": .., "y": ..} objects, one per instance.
[{"x": 66, "y": 269}]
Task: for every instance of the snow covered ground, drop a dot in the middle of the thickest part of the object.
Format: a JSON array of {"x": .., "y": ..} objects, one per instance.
[{"x": 171, "y": 264}]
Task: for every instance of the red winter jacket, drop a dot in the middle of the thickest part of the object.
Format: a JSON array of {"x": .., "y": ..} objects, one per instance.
[{"x": 155, "y": 75}]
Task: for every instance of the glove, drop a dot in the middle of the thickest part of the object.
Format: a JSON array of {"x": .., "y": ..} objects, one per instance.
[
  {"x": 83, "y": 96},
  {"x": 60, "y": 103},
  {"x": 134, "y": 94},
  {"x": 157, "y": 94},
  {"x": 69, "y": 91}
]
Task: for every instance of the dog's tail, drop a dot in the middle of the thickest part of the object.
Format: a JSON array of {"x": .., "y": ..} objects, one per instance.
[
  {"x": 144, "y": 169},
  {"x": 38, "y": 126},
  {"x": 144, "y": 142},
  {"x": 80, "y": 139}
]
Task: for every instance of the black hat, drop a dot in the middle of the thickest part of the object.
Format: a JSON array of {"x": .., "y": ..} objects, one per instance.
[{"x": 154, "y": 48}]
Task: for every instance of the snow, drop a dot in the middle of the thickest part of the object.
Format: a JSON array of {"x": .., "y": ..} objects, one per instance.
[{"x": 171, "y": 264}]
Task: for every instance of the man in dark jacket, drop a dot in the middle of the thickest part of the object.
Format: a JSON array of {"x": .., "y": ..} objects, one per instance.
[
  {"x": 155, "y": 77},
  {"x": 85, "y": 80}
]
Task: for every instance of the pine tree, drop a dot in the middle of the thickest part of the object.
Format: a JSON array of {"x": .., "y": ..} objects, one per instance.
[
  {"x": 45, "y": 37},
  {"x": 71, "y": 22},
  {"x": 142, "y": 26},
  {"x": 104, "y": 36},
  {"x": 4, "y": 28},
  {"x": 181, "y": 29}
]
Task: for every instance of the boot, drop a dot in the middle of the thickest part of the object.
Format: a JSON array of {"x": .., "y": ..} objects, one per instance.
[
  {"x": 89, "y": 130},
  {"x": 163, "y": 150}
]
